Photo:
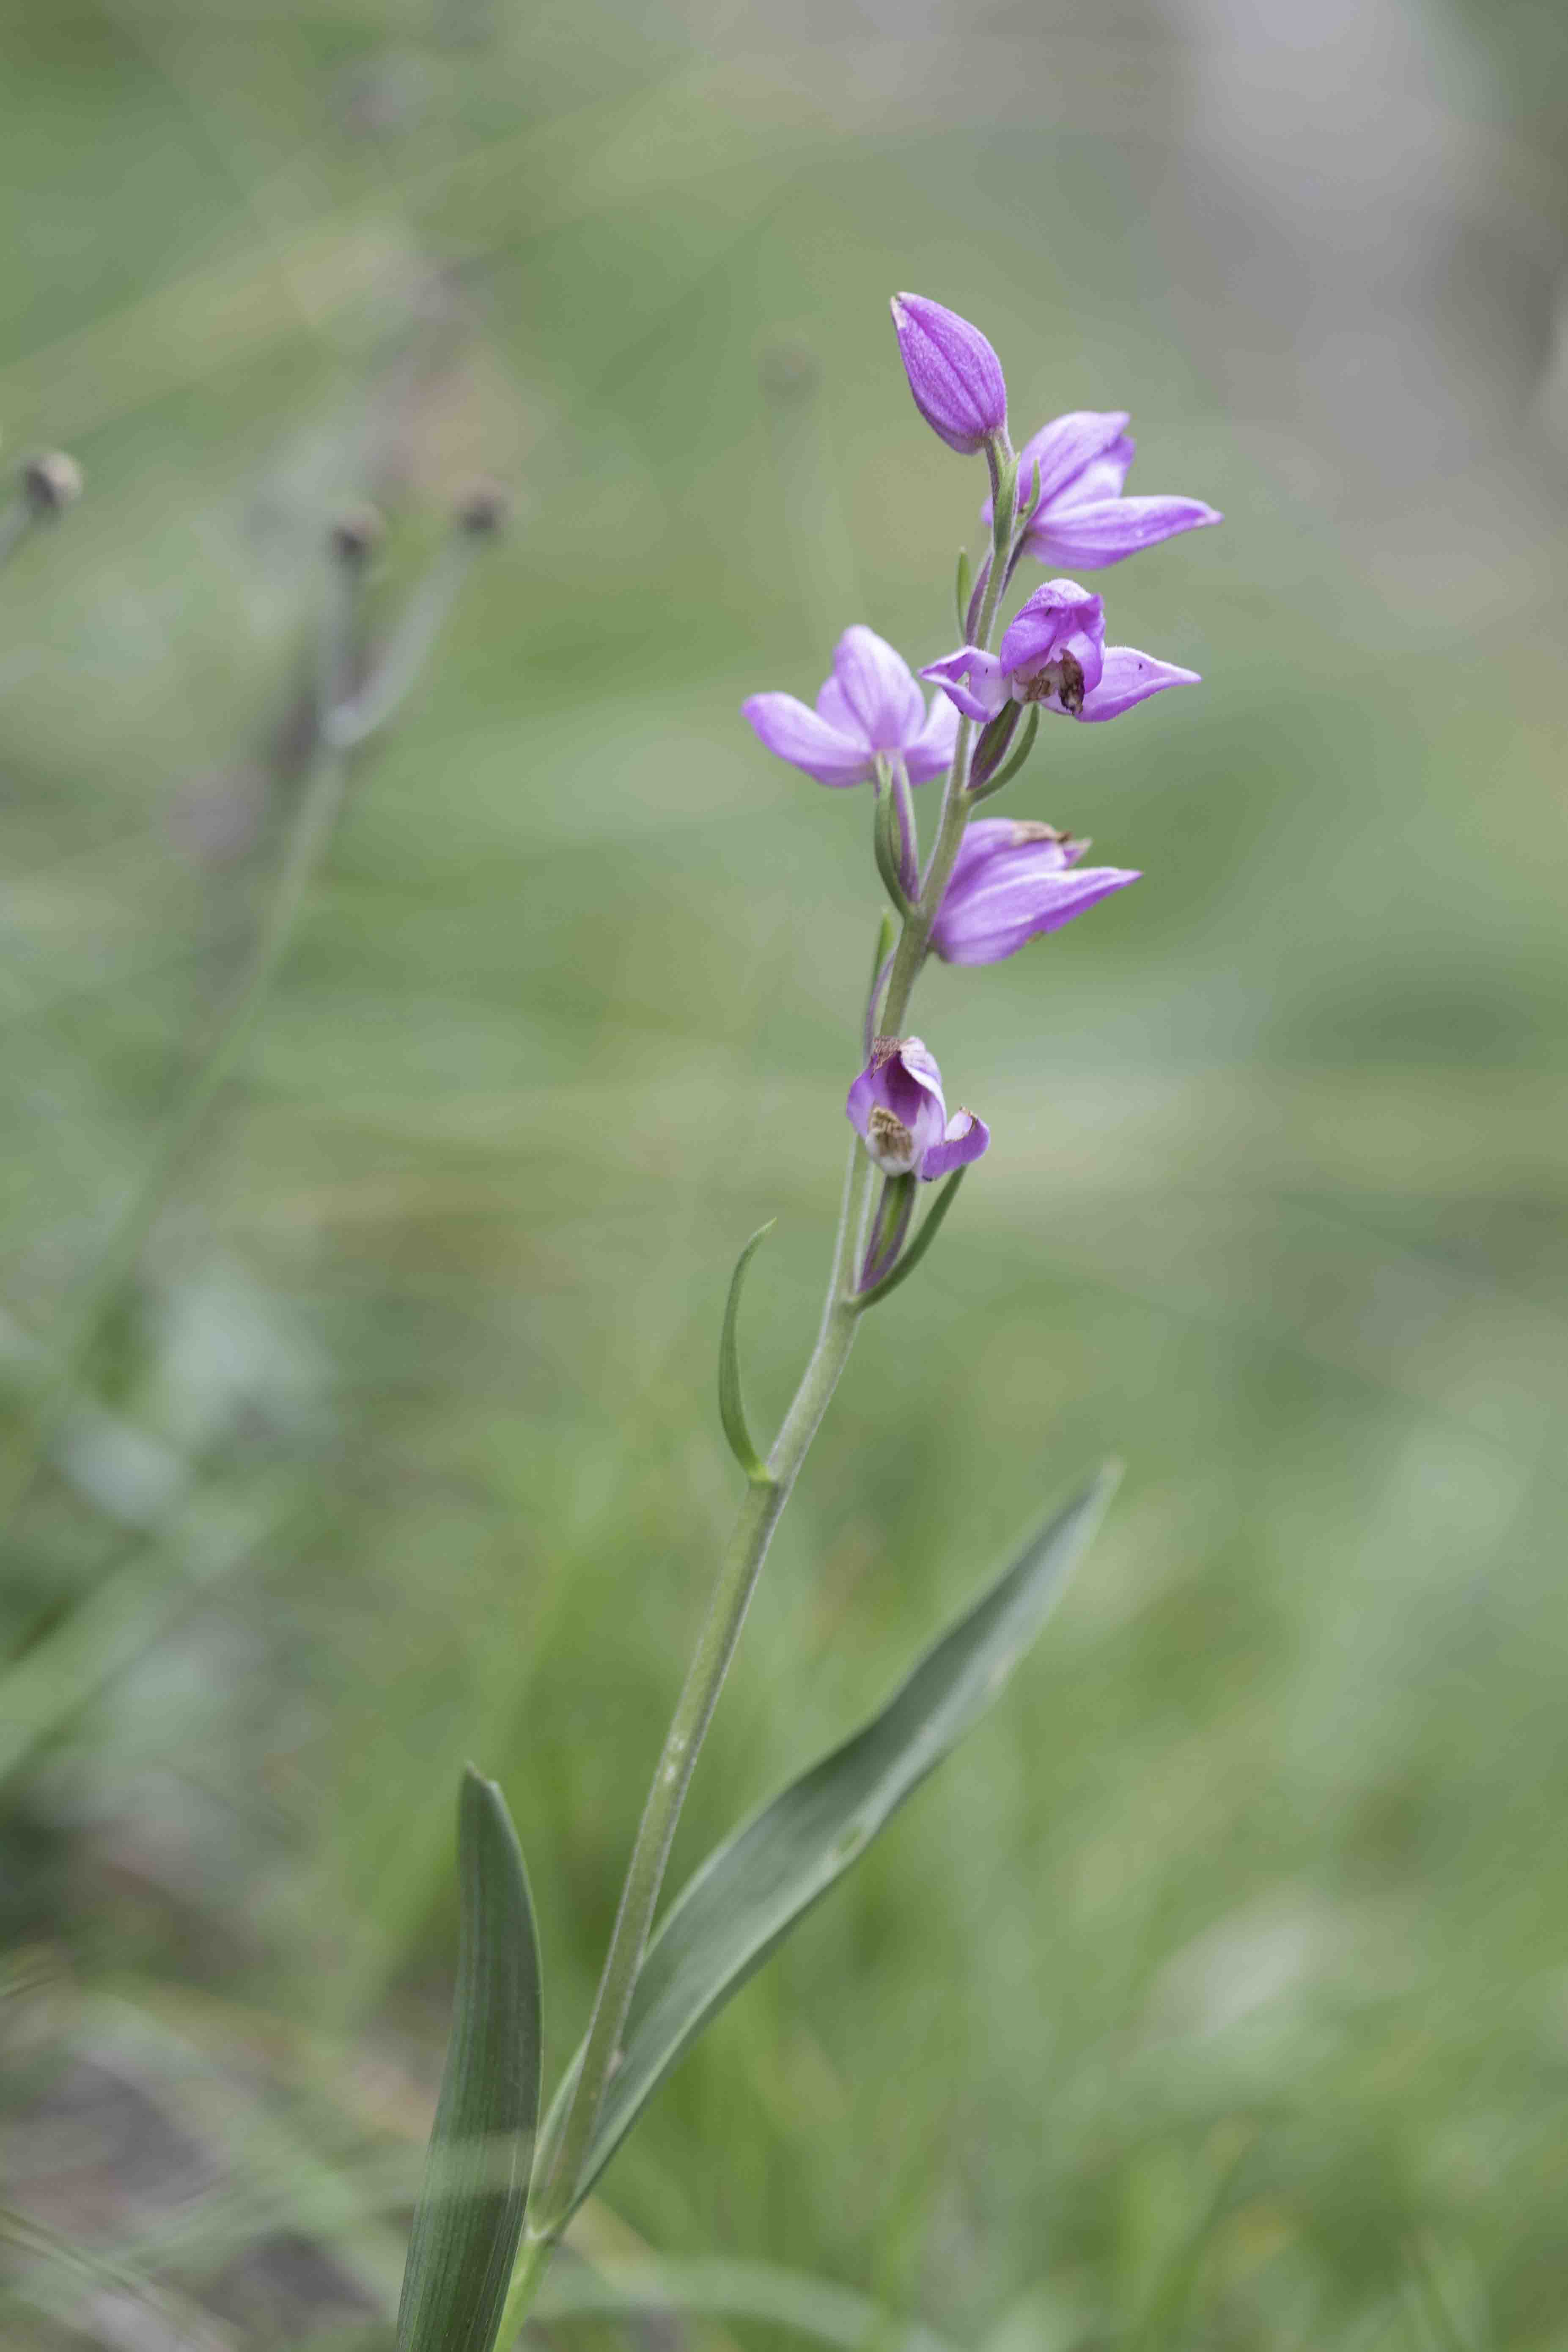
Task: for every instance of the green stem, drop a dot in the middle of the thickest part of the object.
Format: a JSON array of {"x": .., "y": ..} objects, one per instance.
[
  {"x": 737, "y": 1581},
  {"x": 956, "y": 806},
  {"x": 551, "y": 2202}
]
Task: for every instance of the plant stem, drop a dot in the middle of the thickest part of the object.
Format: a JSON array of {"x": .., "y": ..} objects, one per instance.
[
  {"x": 551, "y": 2202},
  {"x": 956, "y": 806},
  {"x": 737, "y": 1581}
]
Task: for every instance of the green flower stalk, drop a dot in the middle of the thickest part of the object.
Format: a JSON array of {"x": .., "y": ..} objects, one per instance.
[{"x": 870, "y": 724}]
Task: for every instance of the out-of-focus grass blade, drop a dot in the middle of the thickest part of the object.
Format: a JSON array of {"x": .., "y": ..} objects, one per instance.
[
  {"x": 812, "y": 2307},
  {"x": 469, "y": 2214},
  {"x": 752, "y": 1889}
]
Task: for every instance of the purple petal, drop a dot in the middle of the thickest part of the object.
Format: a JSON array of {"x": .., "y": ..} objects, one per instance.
[
  {"x": 896, "y": 1105},
  {"x": 875, "y": 687},
  {"x": 1064, "y": 448},
  {"x": 965, "y": 1139},
  {"x": 1103, "y": 478},
  {"x": 986, "y": 838},
  {"x": 954, "y": 375},
  {"x": 930, "y": 753},
  {"x": 1129, "y": 676},
  {"x": 1059, "y": 619},
  {"x": 1014, "y": 899},
  {"x": 986, "y": 691},
  {"x": 792, "y": 732},
  {"x": 1108, "y": 529}
]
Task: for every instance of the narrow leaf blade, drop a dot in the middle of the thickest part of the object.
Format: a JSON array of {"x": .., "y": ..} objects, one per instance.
[
  {"x": 753, "y": 1887},
  {"x": 469, "y": 2214},
  {"x": 732, "y": 1410}
]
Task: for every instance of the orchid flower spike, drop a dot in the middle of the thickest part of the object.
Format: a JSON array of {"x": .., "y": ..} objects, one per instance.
[
  {"x": 1055, "y": 653},
  {"x": 954, "y": 375},
  {"x": 1081, "y": 518},
  {"x": 896, "y": 1106},
  {"x": 1013, "y": 881},
  {"x": 869, "y": 707}
]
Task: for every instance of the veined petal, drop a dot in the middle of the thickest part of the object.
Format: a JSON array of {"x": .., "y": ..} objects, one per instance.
[
  {"x": 1065, "y": 446},
  {"x": 788, "y": 729},
  {"x": 986, "y": 838},
  {"x": 1129, "y": 676},
  {"x": 1059, "y": 619},
  {"x": 896, "y": 1105},
  {"x": 875, "y": 687},
  {"x": 930, "y": 753},
  {"x": 1105, "y": 531},
  {"x": 1104, "y": 476},
  {"x": 1015, "y": 899},
  {"x": 964, "y": 1138},
  {"x": 986, "y": 689}
]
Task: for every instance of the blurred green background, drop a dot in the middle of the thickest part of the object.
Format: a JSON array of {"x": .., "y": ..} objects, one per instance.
[{"x": 1217, "y": 1994}]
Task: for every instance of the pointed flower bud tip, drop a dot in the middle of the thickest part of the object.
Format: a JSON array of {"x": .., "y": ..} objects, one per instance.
[
  {"x": 355, "y": 536},
  {"x": 485, "y": 511},
  {"x": 51, "y": 482},
  {"x": 954, "y": 375}
]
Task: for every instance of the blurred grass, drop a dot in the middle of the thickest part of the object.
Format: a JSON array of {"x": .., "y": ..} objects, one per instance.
[{"x": 1216, "y": 1995}]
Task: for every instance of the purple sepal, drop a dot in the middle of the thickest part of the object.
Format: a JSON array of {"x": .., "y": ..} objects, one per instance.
[
  {"x": 986, "y": 689},
  {"x": 804, "y": 737},
  {"x": 1012, "y": 882},
  {"x": 965, "y": 1140},
  {"x": 954, "y": 375},
  {"x": 1106, "y": 530},
  {"x": 930, "y": 753},
  {"x": 1129, "y": 676},
  {"x": 869, "y": 707},
  {"x": 1082, "y": 519}
]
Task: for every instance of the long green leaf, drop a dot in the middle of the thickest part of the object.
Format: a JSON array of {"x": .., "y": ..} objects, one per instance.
[
  {"x": 752, "y": 1889},
  {"x": 469, "y": 2214}
]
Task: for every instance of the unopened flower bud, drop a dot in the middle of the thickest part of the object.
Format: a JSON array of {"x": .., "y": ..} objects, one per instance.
[
  {"x": 50, "y": 483},
  {"x": 954, "y": 375},
  {"x": 355, "y": 536},
  {"x": 485, "y": 511}
]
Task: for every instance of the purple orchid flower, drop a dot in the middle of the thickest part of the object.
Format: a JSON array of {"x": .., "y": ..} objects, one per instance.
[
  {"x": 1082, "y": 519},
  {"x": 896, "y": 1106},
  {"x": 1013, "y": 881},
  {"x": 869, "y": 707},
  {"x": 1055, "y": 653},
  {"x": 954, "y": 375}
]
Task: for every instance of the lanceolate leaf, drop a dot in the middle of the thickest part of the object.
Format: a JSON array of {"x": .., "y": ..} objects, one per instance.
[
  {"x": 469, "y": 2214},
  {"x": 752, "y": 1889}
]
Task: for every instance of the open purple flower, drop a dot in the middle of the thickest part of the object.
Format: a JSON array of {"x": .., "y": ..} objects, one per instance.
[
  {"x": 1013, "y": 881},
  {"x": 896, "y": 1105},
  {"x": 1055, "y": 653},
  {"x": 870, "y": 706},
  {"x": 1082, "y": 519},
  {"x": 954, "y": 375}
]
